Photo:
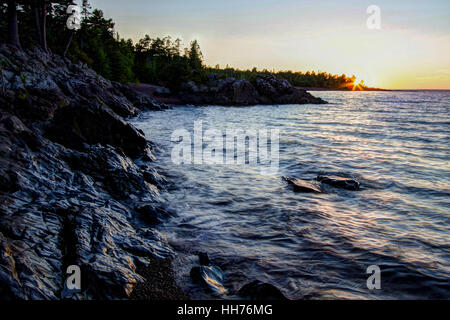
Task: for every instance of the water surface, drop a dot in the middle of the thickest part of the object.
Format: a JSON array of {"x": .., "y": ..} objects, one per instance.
[{"x": 319, "y": 245}]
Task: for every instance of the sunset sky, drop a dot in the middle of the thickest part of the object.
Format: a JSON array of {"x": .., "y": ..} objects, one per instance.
[{"x": 411, "y": 51}]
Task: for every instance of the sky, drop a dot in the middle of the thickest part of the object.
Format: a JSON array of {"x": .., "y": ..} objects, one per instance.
[{"x": 410, "y": 51}]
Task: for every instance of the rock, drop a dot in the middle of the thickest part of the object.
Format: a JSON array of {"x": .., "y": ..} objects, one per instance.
[
  {"x": 119, "y": 175},
  {"x": 340, "y": 182},
  {"x": 270, "y": 86},
  {"x": 152, "y": 176},
  {"x": 244, "y": 93},
  {"x": 204, "y": 259},
  {"x": 211, "y": 277},
  {"x": 208, "y": 274},
  {"x": 195, "y": 274},
  {"x": 152, "y": 214},
  {"x": 159, "y": 282},
  {"x": 162, "y": 92},
  {"x": 8, "y": 181},
  {"x": 213, "y": 77},
  {"x": 139, "y": 99},
  {"x": 260, "y": 291},
  {"x": 69, "y": 183},
  {"x": 303, "y": 185},
  {"x": 265, "y": 90},
  {"x": 190, "y": 87},
  {"x": 93, "y": 123}
]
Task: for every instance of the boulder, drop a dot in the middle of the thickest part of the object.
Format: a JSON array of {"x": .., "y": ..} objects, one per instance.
[
  {"x": 211, "y": 277},
  {"x": 152, "y": 214},
  {"x": 260, "y": 291},
  {"x": 94, "y": 123},
  {"x": 339, "y": 182},
  {"x": 303, "y": 185},
  {"x": 204, "y": 259}
]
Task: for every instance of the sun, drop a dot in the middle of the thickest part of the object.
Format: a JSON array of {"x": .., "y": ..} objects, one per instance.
[{"x": 358, "y": 84}]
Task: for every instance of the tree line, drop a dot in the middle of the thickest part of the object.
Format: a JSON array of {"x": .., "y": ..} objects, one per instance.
[{"x": 162, "y": 61}]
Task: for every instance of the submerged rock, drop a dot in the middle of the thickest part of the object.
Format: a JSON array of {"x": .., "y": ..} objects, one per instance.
[
  {"x": 261, "y": 291},
  {"x": 303, "y": 185},
  {"x": 340, "y": 182}
]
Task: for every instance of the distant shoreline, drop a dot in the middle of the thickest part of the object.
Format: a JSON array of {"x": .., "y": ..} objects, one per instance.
[
  {"x": 343, "y": 89},
  {"x": 371, "y": 89}
]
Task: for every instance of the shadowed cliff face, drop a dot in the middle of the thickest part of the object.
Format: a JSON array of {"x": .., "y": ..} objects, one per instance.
[{"x": 73, "y": 176}]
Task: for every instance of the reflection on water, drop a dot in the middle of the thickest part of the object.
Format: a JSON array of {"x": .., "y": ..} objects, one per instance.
[{"x": 319, "y": 245}]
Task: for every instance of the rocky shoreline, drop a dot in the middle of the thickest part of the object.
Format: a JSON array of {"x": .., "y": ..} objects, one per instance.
[
  {"x": 265, "y": 90},
  {"x": 74, "y": 179},
  {"x": 77, "y": 185}
]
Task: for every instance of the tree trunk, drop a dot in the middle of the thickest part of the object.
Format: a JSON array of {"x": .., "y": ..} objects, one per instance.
[
  {"x": 44, "y": 25},
  {"x": 13, "y": 27},
  {"x": 68, "y": 43},
  {"x": 37, "y": 23}
]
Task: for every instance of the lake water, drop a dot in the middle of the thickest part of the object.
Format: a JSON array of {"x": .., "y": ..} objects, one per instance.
[{"x": 397, "y": 144}]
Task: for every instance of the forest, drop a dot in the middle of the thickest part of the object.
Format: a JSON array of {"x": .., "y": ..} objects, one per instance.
[{"x": 157, "y": 60}]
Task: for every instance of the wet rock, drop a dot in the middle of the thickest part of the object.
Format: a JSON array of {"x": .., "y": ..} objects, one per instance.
[
  {"x": 8, "y": 181},
  {"x": 117, "y": 173},
  {"x": 260, "y": 291},
  {"x": 153, "y": 214},
  {"x": 211, "y": 277},
  {"x": 339, "y": 182},
  {"x": 69, "y": 184},
  {"x": 303, "y": 185},
  {"x": 152, "y": 176},
  {"x": 77, "y": 124},
  {"x": 204, "y": 259},
  {"x": 195, "y": 274}
]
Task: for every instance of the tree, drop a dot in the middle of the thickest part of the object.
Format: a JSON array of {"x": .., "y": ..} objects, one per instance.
[
  {"x": 43, "y": 16},
  {"x": 13, "y": 26},
  {"x": 36, "y": 19},
  {"x": 85, "y": 9},
  {"x": 195, "y": 56}
]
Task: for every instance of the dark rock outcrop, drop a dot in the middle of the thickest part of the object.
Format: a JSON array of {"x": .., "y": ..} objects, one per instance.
[
  {"x": 73, "y": 174},
  {"x": 209, "y": 275},
  {"x": 204, "y": 259},
  {"x": 153, "y": 214},
  {"x": 265, "y": 90},
  {"x": 339, "y": 182},
  {"x": 261, "y": 291},
  {"x": 303, "y": 185}
]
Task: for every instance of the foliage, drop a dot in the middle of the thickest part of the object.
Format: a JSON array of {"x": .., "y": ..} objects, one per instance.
[{"x": 151, "y": 60}]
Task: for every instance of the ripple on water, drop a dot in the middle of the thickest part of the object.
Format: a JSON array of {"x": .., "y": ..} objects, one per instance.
[{"x": 319, "y": 245}]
